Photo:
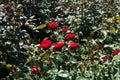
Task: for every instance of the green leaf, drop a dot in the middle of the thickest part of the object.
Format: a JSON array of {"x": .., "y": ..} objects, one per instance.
[
  {"x": 59, "y": 58},
  {"x": 81, "y": 78},
  {"x": 113, "y": 30},
  {"x": 42, "y": 79},
  {"x": 117, "y": 57},
  {"x": 65, "y": 75},
  {"x": 45, "y": 66}
]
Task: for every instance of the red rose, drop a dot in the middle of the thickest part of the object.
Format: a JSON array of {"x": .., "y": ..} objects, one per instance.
[
  {"x": 58, "y": 46},
  {"x": 35, "y": 70},
  {"x": 45, "y": 44},
  {"x": 105, "y": 57},
  {"x": 74, "y": 45},
  {"x": 64, "y": 30},
  {"x": 70, "y": 36},
  {"x": 115, "y": 53},
  {"x": 52, "y": 25}
]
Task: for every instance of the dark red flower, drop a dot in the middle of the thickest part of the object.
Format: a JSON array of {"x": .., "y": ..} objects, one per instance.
[
  {"x": 58, "y": 46},
  {"x": 49, "y": 60},
  {"x": 70, "y": 36},
  {"x": 52, "y": 25},
  {"x": 14, "y": 69},
  {"x": 46, "y": 44},
  {"x": 35, "y": 70},
  {"x": 26, "y": 43},
  {"x": 105, "y": 57},
  {"x": 91, "y": 58},
  {"x": 74, "y": 45},
  {"x": 64, "y": 30},
  {"x": 115, "y": 53}
]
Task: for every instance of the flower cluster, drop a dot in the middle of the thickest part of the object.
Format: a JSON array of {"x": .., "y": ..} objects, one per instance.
[{"x": 46, "y": 44}]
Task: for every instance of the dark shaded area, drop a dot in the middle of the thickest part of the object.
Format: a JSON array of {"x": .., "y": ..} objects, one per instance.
[
  {"x": 39, "y": 35},
  {"x": 4, "y": 71}
]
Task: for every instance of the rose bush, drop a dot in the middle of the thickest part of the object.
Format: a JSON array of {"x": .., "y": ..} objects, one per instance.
[{"x": 83, "y": 41}]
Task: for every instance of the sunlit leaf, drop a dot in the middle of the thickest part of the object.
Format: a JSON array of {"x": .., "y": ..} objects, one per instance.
[
  {"x": 117, "y": 20},
  {"x": 63, "y": 75},
  {"x": 113, "y": 30},
  {"x": 110, "y": 20},
  {"x": 29, "y": 59},
  {"x": 32, "y": 17},
  {"x": 41, "y": 54},
  {"x": 8, "y": 66},
  {"x": 41, "y": 26}
]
